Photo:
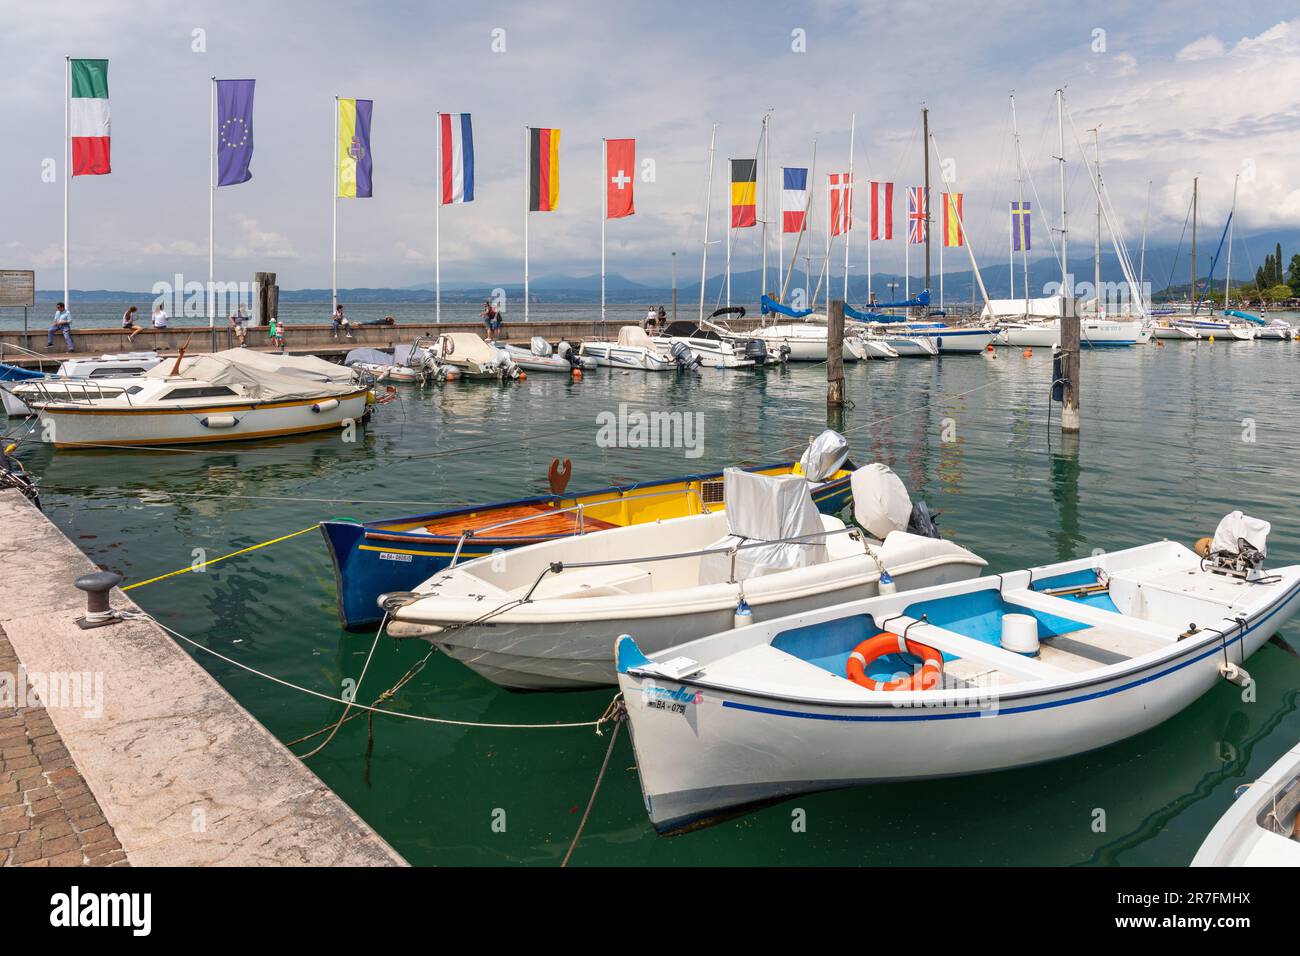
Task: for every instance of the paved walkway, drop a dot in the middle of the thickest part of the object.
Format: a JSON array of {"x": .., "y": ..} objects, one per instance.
[{"x": 48, "y": 816}]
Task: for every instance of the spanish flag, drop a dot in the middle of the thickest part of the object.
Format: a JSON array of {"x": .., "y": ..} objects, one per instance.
[
  {"x": 354, "y": 161},
  {"x": 952, "y": 231},
  {"x": 543, "y": 169},
  {"x": 744, "y": 176}
]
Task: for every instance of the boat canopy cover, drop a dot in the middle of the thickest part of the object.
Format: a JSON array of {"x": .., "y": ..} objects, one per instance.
[
  {"x": 685, "y": 329},
  {"x": 762, "y": 508},
  {"x": 824, "y": 456},
  {"x": 13, "y": 373},
  {"x": 1048, "y": 307},
  {"x": 369, "y": 357},
  {"x": 915, "y": 302},
  {"x": 1236, "y": 528},
  {"x": 264, "y": 377},
  {"x": 769, "y": 305},
  {"x": 852, "y": 313},
  {"x": 1253, "y": 319},
  {"x": 539, "y": 346},
  {"x": 881, "y": 503},
  {"x": 466, "y": 346},
  {"x": 636, "y": 337}
]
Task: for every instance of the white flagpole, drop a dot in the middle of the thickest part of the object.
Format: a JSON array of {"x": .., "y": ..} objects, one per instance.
[
  {"x": 730, "y": 232},
  {"x": 437, "y": 221},
  {"x": 67, "y": 168},
  {"x": 827, "y": 265},
  {"x": 847, "y": 196},
  {"x": 527, "y": 175},
  {"x": 907, "y": 269},
  {"x": 871, "y": 228},
  {"x": 212, "y": 204},
  {"x": 334, "y": 200},
  {"x": 604, "y": 214},
  {"x": 767, "y": 187},
  {"x": 942, "y": 242}
]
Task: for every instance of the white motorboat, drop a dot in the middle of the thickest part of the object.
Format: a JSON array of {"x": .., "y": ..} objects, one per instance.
[
  {"x": 1278, "y": 330},
  {"x": 713, "y": 348},
  {"x": 74, "y": 374},
  {"x": 1221, "y": 330},
  {"x": 953, "y": 339},
  {"x": 467, "y": 355},
  {"x": 1262, "y": 827},
  {"x": 633, "y": 349},
  {"x": 1167, "y": 329},
  {"x": 407, "y": 364},
  {"x": 540, "y": 357},
  {"x": 1005, "y": 671},
  {"x": 228, "y": 396},
  {"x": 904, "y": 343},
  {"x": 541, "y": 617},
  {"x": 805, "y": 341},
  {"x": 1093, "y": 333}
]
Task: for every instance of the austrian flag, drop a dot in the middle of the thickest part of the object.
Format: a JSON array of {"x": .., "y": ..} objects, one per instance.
[{"x": 88, "y": 117}]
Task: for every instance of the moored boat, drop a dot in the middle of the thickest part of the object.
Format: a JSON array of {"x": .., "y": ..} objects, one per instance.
[
  {"x": 1002, "y": 671},
  {"x": 539, "y": 617},
  {"x": 633, "y": 349},
  {"x": 1262, "y": 827},
  {"x": 397, "y": 554},
  {"x": 540, "y": 357}
]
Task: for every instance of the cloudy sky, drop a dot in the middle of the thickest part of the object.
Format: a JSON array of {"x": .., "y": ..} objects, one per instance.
[{"x": 1180, "y": 90}]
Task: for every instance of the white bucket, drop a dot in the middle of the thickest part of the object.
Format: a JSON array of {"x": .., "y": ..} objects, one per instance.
[{"x": 1020, "y": 633}]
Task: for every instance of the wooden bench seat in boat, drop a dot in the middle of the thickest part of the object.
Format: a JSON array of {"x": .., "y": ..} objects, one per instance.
[{"x": 542, "y": 522}]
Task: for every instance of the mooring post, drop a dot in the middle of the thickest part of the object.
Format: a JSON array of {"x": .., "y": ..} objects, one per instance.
[
  {"x": 1070, "y": 364},
  {"x": 835, "y": 354},
  {"x": 97, "y": 586}
]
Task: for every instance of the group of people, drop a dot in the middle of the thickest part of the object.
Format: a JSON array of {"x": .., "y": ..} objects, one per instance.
[
  {"x": 493, "y": 319},
  {"x": 62, "y": 324},
  {"x": 654, "y": 318}
]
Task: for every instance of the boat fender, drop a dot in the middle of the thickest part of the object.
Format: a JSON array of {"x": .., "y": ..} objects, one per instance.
[
  {"x": 326, "y": 406},
  {"x": 886, "y": 585},
  {"x": 1234, "y": 674},
  {"x": 743, "y": 616},
  {"x": 219, "y": 421},
  {"x": 886, "y": 642}
]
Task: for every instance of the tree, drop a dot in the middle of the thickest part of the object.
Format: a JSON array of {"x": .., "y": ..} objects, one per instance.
[
  {"x": 1293, "y": 273},
  {"x": 1277, "y": 266}
]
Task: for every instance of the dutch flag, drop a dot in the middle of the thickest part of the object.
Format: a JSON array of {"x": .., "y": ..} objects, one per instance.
[{"x": 456, "y": 140}]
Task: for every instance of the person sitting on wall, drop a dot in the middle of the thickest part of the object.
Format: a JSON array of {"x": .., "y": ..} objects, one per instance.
[
  {"x": 238, "y": 323},
  {"x": 128, "y": 324},
  {"x": 159, "y": 317},
  {"x": 62, "y": 323}
]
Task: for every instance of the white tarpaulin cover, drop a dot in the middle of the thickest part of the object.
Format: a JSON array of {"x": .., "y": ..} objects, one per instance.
[
  {"x": 760, "y": 508},
  {"x": 540, "y": 346},
  {"x": 1236, "y": 526},
  {"x": 824, "y": 456},
  {"x": 368, "y": 356},
  {"x": 264, "y": 377},
  {"x": 634, "y": 335},
  {"x": 468, "y": 347},
  {"x": 880, "y": 500}
]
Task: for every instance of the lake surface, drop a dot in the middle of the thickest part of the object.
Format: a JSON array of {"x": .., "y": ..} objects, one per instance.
[{"x": 1173, "y": 438}]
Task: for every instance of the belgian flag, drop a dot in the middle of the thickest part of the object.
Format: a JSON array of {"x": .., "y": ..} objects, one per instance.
[
  {"x": 543, "y": 169},
  {"x": 744, "y": 185}
]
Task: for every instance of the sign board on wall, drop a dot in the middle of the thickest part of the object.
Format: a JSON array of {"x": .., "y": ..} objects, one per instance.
[{"x": 17, "y": 288}]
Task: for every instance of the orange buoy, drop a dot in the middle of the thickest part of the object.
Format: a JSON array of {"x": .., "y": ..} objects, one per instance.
[
  {"x": 1028, "y": 353},
  {"x": 990, "y": 346},
  {"x": 874, "y": 648},
  {"x": 523, "y": 376},
  {"x": 577, "y": 375}
]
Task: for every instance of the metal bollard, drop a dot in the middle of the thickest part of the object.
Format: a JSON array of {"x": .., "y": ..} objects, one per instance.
[{"x": 97, "y": 585}]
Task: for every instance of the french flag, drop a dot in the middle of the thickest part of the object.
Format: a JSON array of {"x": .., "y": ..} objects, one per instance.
[
  {"x": 794, "y": 198},
  {"x": 456, "y": 140}
]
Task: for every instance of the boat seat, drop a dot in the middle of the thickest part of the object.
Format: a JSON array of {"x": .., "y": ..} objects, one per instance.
[{"x": 607, "y": 581}]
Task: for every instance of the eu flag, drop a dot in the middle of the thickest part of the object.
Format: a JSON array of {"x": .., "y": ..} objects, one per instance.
[{"x": 234, "y": 131}]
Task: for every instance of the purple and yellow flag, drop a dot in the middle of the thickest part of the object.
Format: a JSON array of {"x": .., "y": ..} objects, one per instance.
[
  {"x": 355, "y": 163},
  {"x": 1020, "y": 227}
]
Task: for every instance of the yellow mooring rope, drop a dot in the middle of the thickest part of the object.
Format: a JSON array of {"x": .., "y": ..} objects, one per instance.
[{"x": 233, "y": 554}]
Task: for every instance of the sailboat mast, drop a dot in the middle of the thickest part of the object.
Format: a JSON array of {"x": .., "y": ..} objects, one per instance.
[
  {"x": 1195, "y": 187},
  {"x": 1232, "y": 222},
  {"x": 767, "y": 172},
  {"x": 925, "y": 138},
  {"x": 708, "y": 208},
  {"x": 1065, "y": 228},
  {"x": 1142, "y": 258},
  {"x": 1096, "y": 249},
  {"x": 1015, "y": 224}
]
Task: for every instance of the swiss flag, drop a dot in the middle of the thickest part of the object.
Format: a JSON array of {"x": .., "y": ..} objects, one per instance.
[{"x": 620, "y": 171}]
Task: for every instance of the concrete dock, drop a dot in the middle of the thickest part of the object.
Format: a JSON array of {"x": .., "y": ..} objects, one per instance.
[{"x": 135, "y": 754}]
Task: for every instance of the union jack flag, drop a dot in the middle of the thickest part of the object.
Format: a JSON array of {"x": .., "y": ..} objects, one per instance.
[{"x": 917, "y": 214}]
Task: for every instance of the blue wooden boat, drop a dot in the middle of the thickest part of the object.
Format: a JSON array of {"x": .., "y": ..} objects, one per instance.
[{"x": 396, "y": 554}]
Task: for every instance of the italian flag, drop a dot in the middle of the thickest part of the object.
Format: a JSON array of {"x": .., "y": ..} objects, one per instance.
[{"x": 88, "y": 117}]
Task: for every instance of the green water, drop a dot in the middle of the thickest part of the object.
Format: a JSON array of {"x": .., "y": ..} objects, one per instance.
[{"x": 1162, "y": 455}]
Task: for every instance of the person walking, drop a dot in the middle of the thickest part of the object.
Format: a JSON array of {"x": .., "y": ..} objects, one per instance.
[
  {"x": 62, "y": 323},
  {"x": 277, "y": 332}
]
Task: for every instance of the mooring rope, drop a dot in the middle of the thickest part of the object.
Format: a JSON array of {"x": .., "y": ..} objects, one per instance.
[
  {"x": 355, "y": 690},
  {"x": 617, "y": 712},
  {"x": 204, "y": 564}
]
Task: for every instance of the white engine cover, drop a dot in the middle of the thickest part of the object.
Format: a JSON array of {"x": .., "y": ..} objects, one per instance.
[{"x": 881, "y": 503}]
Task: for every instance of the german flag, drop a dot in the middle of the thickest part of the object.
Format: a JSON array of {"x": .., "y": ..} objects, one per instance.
[
  {"x": 744, "y": 177},
  {"x": 543, "y": 169}
]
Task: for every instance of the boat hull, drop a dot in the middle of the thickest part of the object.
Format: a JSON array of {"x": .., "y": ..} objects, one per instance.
[
  {"x": 71, "y": 425},
  {"x": 952, "y": 341},
  {"x": 373, "y": 558},
  {"x": 702, "y": 754},
  {"x": 1092, "y": 334},
  {"x": 610, "y": 355}
]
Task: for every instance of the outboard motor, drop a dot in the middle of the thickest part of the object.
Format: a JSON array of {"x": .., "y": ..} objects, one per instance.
[
  {"x": 540, "y": 346},
  {"x": 881, "y": 504},
  {"x": 824, "y": 456},
  {"x": 756, "y": 349},
  {"x": 566, "y": 351},
  {"x": 922, "y": 522},
  {"x": 1239, "y": 547},
  {"x": 684, "y": 357},
  {"x": 784, "y": 352}
]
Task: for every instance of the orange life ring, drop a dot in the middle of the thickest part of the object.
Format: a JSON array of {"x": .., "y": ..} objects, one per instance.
[{"x": 874, "y": 648}]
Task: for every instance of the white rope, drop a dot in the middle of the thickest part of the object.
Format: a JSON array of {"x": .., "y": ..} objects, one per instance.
[{"x": 338, "y": 700}]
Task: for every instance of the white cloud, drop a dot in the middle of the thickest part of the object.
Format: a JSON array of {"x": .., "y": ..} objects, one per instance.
[{"x": 1202, "y": 49}]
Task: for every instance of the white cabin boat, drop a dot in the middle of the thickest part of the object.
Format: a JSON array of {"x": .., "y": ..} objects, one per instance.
[
  {"x": 541, "y": 617},
  {"x": 228, "y": 396},
  {"x": 633, "y": 349},
  {"x": 805, "y": 341},
  {"x": 713, "y": 348},
  {"x": 968, "y": 677},
  {"x": 73, "y": 374}
]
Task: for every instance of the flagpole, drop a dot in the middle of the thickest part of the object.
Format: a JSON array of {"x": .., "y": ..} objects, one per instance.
[
  {"x": 730, "y": 232},
  {"x": 604, "y": 214},
  {"x": 334, "y": 200},
  {"x": 527, "y": 174},
  {"x": 943, "y": 241},
  {"x": 767, "y": 186},
  {"x": 828, "y": 247},
  {"x": 907, "y": 269},
  {"x": 212, "y": 205},
  {"x": 437, "y": 222},
  {"x": 67, "y": 168},
  {"x": 848, "y": 210}
]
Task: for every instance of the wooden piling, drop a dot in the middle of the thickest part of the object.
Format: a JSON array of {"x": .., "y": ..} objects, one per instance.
[
  {"x": 1070, "y": 369},
  {"x": 835, "y": 354}
]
